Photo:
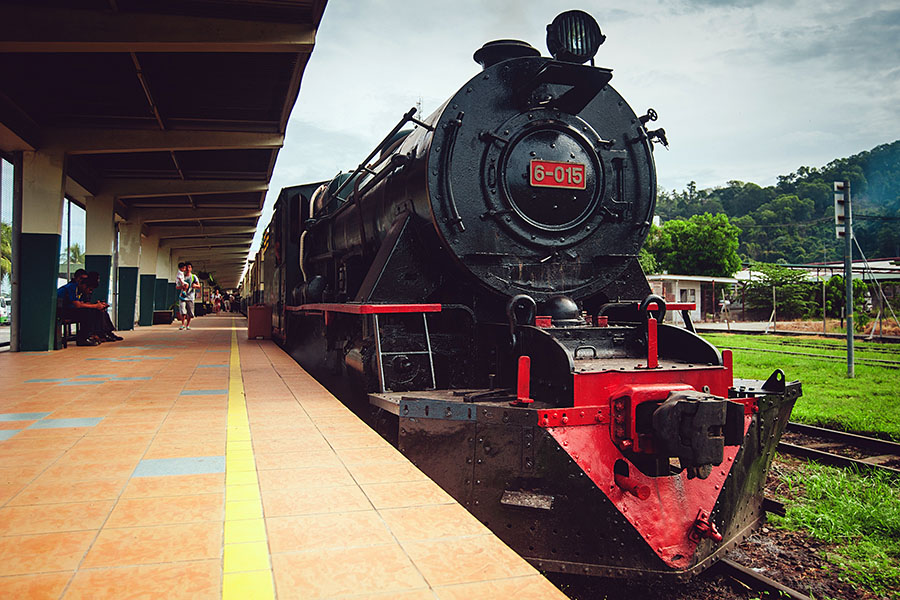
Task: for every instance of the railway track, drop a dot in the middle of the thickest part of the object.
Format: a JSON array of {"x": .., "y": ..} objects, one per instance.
[
  {"x": 878, "y": 362},
  {"x": 834, "y": 347},
  {"x": 839, "y": 448},
  {"x": 757, "y": 581}
]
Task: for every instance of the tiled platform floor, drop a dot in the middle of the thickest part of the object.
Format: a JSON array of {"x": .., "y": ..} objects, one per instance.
[{"x": 113, "y": 483}]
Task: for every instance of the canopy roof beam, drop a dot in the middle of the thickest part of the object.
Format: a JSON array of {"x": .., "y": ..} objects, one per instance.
[
  {"x": 121, "y": 141},
  {"x": 145, "y": 188},
  {"x": 41, "y": 28}
]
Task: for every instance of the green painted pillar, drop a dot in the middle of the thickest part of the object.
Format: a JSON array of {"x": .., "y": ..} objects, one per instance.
[
  {"x": 147, "y": 279},
  {"x": 128, "y": 282},
  {"x": 147, "y": 291},
  {"x": 39, "y": 195},
  {"x": 163, "y": 275},
  {"x": 129, "y": 260},
  {"x": 162, "y": 294},
  {"x": 100, "y": 233},
  {"x": 102, "y": 263},
  {"x": 37, "y": 282}
]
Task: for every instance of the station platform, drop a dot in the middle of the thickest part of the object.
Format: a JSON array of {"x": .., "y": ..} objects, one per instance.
[{"x": 200, "y": 464}]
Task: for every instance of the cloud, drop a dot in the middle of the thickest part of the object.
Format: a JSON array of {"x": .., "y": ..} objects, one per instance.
[{"x": 746, "y": 89}]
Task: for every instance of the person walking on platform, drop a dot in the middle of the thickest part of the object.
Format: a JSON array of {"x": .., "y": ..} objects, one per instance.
[
  {"x": 179, "y": 278},
  {"x": 179, "y": 286},
  {"x": 191, "y": 284}
]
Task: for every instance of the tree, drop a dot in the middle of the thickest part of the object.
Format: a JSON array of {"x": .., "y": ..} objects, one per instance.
[
  {"x": 836, "y": 291},
  {"x": 794, "y": 294},
  {"x": 703, "y": 245},
  {"x": 647, "y": 261},
  {"x": 75, "y": 255},
  {"x": 5, "y": 250}
]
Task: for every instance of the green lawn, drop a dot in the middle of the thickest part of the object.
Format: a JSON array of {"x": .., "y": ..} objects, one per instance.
[
  {"x": 857, "y": 513},
  {"x": 869, "y": 403}
]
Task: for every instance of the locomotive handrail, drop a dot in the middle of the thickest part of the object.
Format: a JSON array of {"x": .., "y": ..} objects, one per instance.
[
  {"x": 364, "y": 165},
  {"x": 585, "y": 347},
  {"x": 369, "y": 309},
  {"x": 659, "y": 311},
  {"x": 397, "y": 161},
  {"x": 406, "y": 118},
  {"x": 449, "y": 143}
]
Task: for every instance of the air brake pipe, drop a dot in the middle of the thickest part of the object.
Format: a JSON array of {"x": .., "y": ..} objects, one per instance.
[
  {"x": 642, "y": 492},
  {"x": 312, "y": 201}
]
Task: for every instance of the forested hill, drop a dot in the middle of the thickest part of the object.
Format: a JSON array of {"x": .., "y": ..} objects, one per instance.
[{"x": 793, "y": 221}]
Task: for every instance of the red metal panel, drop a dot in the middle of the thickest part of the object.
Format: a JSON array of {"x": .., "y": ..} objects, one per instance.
[
  {"x": 626, "y": 400},
  {"x": 593, "y": 389},
  {"x": 667, "y": 517},
  {"x": 544, "y": 322},
  {"x": 679, "y": 305},
  {"x": 585, "y": 415},
  {"x": 370, "y": 309}
]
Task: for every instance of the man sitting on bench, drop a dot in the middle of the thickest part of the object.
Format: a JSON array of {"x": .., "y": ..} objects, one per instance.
[{"x": 94, "y": 324}]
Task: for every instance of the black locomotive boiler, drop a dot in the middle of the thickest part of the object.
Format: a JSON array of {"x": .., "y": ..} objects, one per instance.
[{"x": 476, "y": 279}]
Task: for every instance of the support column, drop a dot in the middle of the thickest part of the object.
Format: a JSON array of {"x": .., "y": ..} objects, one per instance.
[
  {"x": 37, "y": 260},
  {"x": 99, "y": 236},
  {"x": 129, "y": 263},
  {"x": 162, "y": 278},
  {"x": 173, "y": 267},
  {"x": 147, "y": 279}
]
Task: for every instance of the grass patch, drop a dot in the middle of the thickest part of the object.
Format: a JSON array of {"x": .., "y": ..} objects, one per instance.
[
  {"x": 859, "y": 513},
  {"x": 869, "y": 403}
]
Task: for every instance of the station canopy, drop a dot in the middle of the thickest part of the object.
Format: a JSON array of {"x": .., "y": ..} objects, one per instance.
[{"x": 177, "y": 108}]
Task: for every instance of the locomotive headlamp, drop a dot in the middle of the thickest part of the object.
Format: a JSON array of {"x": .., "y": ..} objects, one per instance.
[{"x": 574, "y": 36}]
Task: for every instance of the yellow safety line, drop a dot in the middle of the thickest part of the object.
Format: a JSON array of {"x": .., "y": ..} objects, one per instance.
[{"x": 246, "y": 567}]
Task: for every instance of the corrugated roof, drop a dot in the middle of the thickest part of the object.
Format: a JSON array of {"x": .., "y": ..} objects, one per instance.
[{"x": 176, "y": 107}]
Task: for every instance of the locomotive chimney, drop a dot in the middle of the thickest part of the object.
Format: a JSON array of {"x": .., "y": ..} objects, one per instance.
[{"x": 498, "y": 50}]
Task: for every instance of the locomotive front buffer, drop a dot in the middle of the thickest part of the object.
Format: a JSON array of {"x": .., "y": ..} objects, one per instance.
[{"x": 598, "y": 451}]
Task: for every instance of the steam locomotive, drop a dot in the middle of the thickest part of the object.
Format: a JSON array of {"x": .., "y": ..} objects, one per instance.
[{"x": 476, "y": 280}]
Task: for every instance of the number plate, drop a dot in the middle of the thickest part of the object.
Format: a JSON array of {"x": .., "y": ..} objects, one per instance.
[{"x": 545, "y": 173}]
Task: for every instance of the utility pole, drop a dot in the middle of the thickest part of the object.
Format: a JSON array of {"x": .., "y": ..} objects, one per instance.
[
  {"x": 843, "y": 222},
  {"x": 824, "y": 314}
]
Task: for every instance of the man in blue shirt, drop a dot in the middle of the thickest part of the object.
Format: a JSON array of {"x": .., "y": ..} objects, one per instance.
[{"x": 94, "y": 324}]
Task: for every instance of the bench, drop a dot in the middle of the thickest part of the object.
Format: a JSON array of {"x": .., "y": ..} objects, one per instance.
[
  {"x": 64, "y": 327},
  {"x": 163, "y": 317}
]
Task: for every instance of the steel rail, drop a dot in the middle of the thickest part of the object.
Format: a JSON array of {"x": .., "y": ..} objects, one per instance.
[
  {"x": 835, "y": 460},
  {"x": 873, "y": 362},
  {"x": 757, "y": 581},
  {"x": 776, "y": 507},
  {"x": 859, "y": 441},
  {"x": 832, "y": 347}
]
